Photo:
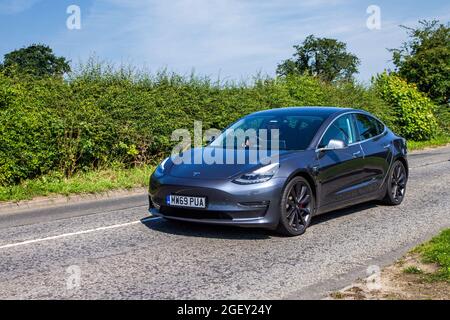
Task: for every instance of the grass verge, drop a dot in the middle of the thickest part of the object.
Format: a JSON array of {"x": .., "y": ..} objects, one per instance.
[
  {"x": 437, "y": 251},
  {"x": 438, "y": 141},
  {"x": 81, "y": 183}
]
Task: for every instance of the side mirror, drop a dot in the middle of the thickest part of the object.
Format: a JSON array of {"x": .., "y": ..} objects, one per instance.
[{"x": 336, "y": 145}]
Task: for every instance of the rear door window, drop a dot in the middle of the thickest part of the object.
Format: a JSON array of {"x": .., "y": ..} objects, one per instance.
[{"x": 368, "y": 127}]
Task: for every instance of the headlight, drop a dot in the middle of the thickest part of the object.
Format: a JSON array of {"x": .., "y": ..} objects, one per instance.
[
  {"x": 162, "y": 167},
  {"x": 259, "y": 176}
]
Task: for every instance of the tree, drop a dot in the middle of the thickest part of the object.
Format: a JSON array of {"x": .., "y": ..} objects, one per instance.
[
  {"x": 325, "y": 58},
  {"x": 36, "y": 60},
  {"x": 425, "y": 59}
]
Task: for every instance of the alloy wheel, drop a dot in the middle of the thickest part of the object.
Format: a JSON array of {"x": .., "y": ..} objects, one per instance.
[
  {"x": 298, "y": 206},
  {"x": 398, "y": 182}
]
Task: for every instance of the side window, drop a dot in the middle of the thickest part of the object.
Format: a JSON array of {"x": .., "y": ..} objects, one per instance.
[
  {"x": 380, "y": 126},
  {"x": 342, "y": 129},
  {"x": 368, "y": 127}
]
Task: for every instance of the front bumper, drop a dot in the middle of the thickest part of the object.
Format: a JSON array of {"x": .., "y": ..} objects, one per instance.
[{"x": 227, "y": 203}]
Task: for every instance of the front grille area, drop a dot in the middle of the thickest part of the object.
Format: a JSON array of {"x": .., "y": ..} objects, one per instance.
[{"x": 213, "y": 215}]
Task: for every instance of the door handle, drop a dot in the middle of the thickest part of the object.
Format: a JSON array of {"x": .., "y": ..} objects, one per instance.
[
  {"x": 356, "y": 154},
  {"x": 387, "y": 146}
]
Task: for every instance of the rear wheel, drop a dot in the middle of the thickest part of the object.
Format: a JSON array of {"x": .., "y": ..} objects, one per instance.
[
  {"x": 396, "y": 185},
  {"x": 297, "y": 205}
]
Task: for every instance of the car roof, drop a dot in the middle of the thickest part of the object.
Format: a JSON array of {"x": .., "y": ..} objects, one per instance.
[{"x": 323, "y": 112}]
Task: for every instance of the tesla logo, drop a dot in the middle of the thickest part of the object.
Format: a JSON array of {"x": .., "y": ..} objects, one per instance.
[{"x": 196, "y": 174}]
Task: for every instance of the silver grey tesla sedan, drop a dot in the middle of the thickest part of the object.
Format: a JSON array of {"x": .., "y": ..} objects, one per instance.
[{"x": 324, "y": 159}]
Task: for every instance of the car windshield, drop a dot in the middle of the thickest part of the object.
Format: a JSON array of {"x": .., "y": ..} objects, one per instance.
[{"x": 287, "y": 132}]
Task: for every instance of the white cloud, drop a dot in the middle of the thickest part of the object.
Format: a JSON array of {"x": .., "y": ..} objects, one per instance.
[
  {"x": 235, "y": 37},
  {"x": 16, "y": 6}
]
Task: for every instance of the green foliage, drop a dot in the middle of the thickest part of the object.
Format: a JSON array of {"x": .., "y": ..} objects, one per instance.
[
  {"x": 102, "y": 116},
  {"x": 414, "y": 116},
  {"x": 438, "y": 251},
  {"x": 325, "y": 58},
  {"x": 443, "y": 116},
  {"x": 36, "y": 60},
  {"x": 425, "y": 59},
  {"x": 28, "y": 129}
]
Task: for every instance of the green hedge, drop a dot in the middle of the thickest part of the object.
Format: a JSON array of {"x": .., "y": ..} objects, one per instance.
[
  {"x": 414, "y": 112},
  {"x": 100, "y": 118}
]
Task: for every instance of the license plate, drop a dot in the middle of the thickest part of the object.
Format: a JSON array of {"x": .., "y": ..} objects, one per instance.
[{"x": 186, "y": 201}]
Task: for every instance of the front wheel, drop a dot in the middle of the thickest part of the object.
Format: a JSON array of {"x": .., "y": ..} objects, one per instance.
[
  {"x": 396, "y": 185},
  {"x": 297, "y": 205}
]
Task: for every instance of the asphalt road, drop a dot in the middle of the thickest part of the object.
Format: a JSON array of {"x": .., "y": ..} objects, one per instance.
[{"x": 104, "y": 249}]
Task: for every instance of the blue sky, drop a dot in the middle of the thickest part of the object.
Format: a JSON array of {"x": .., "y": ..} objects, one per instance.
[{"x": 233, "y": 39}]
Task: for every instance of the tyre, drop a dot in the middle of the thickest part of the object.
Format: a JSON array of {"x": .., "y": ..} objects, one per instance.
[
  {"x": 396, "y": 185},
  {"x": 296, "y": 207}
]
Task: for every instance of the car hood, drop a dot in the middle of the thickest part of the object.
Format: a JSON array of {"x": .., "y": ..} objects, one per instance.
[{"x": 221, "y": 169}]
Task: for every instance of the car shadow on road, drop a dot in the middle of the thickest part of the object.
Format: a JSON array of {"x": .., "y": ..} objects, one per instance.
[
  {"x": 345, "y": 212},
  {"x": 190, "y": 229}
]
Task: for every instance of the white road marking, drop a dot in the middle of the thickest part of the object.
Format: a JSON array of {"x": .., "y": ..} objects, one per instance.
[{"x": 66, "y": 235}]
